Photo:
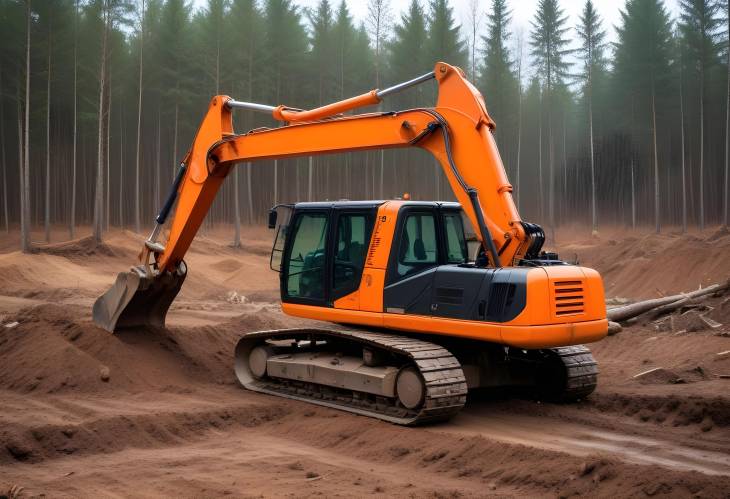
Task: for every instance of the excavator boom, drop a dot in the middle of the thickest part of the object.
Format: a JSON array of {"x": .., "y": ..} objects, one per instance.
[{"x": 457, "y": 132}]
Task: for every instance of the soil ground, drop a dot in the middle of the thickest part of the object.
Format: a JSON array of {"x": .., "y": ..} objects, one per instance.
[{"x": 84, "y": 413}]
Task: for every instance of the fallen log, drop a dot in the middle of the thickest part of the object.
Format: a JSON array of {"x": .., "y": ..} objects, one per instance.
[
  {"x": 614, "y": 328},
  {"x": 626, "y": 312}
]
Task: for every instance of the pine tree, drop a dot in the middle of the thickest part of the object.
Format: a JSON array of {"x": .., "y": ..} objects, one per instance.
[
  {"x": 74, "y": 159},
  {"x": 725, "y": 192},
  {"x": 113, "y": 13},
  {"x": 592, "y": 46},
  {"x": 549, "y": 50},
  {"x": 475, "y": 21},
  {"x": 642, "y": 69},
  {"x": 25, "y": 243},
  {"x": 699, "y": 25},
  {"x": 323, "y": 51},
  {"x": 245, "y": 28},
  {"x": 497, "y": 79},
  {"x": 407, "y": 57},
  {"x": 284, "y": 56},
  {"x": 444, "y": 38},
  {"x": 137, "y": 203},
  {"x": 174, "y": 35},
  {"x": 443, "y": 44},
  {"x": 378, "y": 24}
]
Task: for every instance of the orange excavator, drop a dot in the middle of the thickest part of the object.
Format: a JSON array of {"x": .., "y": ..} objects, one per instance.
[{"x": 410, "y": 321}]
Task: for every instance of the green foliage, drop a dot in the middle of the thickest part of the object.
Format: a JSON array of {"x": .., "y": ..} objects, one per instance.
[
  {"x": 642, "y": 59},
  {"x": 444, "y": 40},
  {"x": 700, "y": 26},
  {"x": 276, "y": 52},
  {"x": 407, "y": 57},
  {"x": 549, "y": 43},
  {"x": 497, "y": 78}
]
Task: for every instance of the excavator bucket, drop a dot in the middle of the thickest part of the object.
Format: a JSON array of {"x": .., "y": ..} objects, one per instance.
[{"x": 137, "y": 299}]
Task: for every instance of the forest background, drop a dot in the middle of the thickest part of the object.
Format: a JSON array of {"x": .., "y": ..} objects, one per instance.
[{"x": 100, "y": 99}]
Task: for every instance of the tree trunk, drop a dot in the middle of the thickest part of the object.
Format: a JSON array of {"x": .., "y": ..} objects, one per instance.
[
  {"x": 250, "y": 193},
  {"x": 594, "y": 215},
  {"x": 72, "y": 214},
  {"x": 99, "y": 191},
  {"x": 108, "y": 146},
  {"x": 635, "y": 309},
  {"x": 47, "y": 205},
  {"x": 174, "y": 138},
  {"x": 158, "y": 164},
  {"x": 633, "y": 196},
  {"x": 539, "y": 157},
  {"x": 236, "y": 211},
  {"x": 727, "y": 130},
  {"x": 519, "y": 128},
  {"x": 139, "y": 124},
  {"x": 276, "y": 181},
  {"x": 702, "y": 147},
  {"x": 121, "y": 166},
  {"x": 657, "y": 198},
  {"x": 25, "y": 182},
  {"x": 684, "y": 175},
  {"x": 21, "y": 160},
  {"x": 382, "y": 174},
  {"x": 3, "y": 157}
]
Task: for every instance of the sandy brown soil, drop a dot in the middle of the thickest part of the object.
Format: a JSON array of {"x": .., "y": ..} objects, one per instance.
[{"x": 147, "y": 414}]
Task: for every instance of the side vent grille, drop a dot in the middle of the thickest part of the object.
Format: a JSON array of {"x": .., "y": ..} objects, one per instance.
[
  {"x": 568, "y": 298},
  {"x": 501, "y": 296},
  {"x": 450, "y": 296}
]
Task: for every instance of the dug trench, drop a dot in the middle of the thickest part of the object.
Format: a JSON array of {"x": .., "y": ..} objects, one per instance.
[{"x": 158, "y": 412}]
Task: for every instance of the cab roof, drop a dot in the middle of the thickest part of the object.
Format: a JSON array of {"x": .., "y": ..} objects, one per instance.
[{"x": 341, "y": 204}]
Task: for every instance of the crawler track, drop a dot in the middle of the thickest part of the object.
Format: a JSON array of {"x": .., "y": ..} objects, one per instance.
[
  {"x": 574, "y": 373},
  {"x": 445, "y": 382},
  {"x": 564, "y": 374}
]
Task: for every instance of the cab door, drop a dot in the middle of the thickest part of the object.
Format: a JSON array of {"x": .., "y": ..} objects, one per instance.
[
  {"x": 305, "y": 271},
  {"x": 351, "y": 240},
  {"x": 413, "y": 263}
]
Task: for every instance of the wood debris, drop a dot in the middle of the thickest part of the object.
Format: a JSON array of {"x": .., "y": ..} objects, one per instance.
[{"x": 693, "y": 312}]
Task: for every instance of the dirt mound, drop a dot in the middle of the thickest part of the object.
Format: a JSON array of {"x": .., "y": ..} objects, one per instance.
[
  {"x": 51, "y": 350},
  {"x": 83, "y": 247},
  {"x": 113, "y": 433},
  {"x": 227, "y": 265},
  {"x": 669, "y": 410},
  {"x": 647, "y": 266},
  {"x": 57, "y": 349}
]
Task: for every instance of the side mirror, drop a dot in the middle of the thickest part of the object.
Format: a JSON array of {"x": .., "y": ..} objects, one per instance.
[
  {"x": 277, "y": 251},
  {"x": 272, "y": 218}
]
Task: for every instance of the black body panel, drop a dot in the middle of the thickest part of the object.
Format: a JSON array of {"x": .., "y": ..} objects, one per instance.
[
  {"x": 411, "y": 295},
  {"x": 461, "y": 292}
]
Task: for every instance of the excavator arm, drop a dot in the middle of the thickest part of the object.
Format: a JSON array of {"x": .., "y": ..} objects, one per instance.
[{"x": 457, "y": 132}]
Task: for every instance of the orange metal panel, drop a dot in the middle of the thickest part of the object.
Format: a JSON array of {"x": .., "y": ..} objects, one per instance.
[
  {"x": 371, "y": 290},
  {"x": 282, "y": 113},
  {"x": 540, "y": 336}
]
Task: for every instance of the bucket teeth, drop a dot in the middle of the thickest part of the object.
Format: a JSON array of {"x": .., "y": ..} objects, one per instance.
[{"x": 138, "y": 300}]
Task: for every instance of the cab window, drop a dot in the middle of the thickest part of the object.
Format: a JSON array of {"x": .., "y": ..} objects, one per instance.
[
  {"x": 305, "y": 275},
  {"x": 418, "y": 244},
  {"x": 353, "y": 238},
  {"x": 456, "y": 248}
]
